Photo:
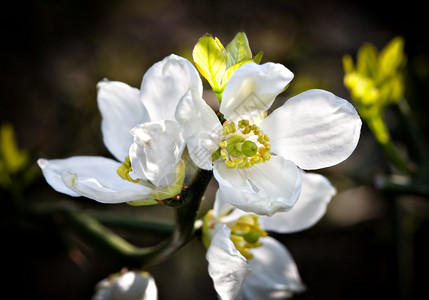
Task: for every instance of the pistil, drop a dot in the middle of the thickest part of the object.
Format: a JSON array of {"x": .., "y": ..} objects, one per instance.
[{"x": 242, "y": 147}]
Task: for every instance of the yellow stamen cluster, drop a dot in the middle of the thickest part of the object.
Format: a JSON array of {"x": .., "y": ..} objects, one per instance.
[
  {"x": 245, "y": 234},
  {"x": 124, "y": 170},
  {"x": 240, "y": 152}
]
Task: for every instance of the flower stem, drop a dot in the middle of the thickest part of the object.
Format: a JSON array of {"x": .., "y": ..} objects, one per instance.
[
  {"x": 377, "y": 125},
  {"x": 133, "y": 256}
]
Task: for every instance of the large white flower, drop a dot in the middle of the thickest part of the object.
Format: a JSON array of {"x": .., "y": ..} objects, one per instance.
[
  {"x": 129, "y": 285},
  {"x": 244, "y": 262},
  {"x": 140, "y": 130},
  {"x": 312, "y": 130}
]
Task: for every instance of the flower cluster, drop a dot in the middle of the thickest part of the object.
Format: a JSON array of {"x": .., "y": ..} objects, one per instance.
[{"x": 161, "y": 134}]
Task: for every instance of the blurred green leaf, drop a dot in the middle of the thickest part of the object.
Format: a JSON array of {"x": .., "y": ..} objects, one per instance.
[
  {"x": 12, "y": 160},
  {"x": 392, "y": 58},
  {"x": 367, "y": 61}
]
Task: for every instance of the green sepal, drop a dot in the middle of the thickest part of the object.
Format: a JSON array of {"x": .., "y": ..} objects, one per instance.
[
  {"x": 258, "y": 57},
  {"x": 143, "y": 202},
  {"x": 174, "y": 189},
  {"x": 216, "y": 155}
]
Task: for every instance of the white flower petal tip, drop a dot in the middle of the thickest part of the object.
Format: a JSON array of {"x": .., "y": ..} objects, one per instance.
[
  {"x": 165, "y": 83},
  {"x": 52, "y": 174},
  {"x": 314, "y": 129},
  {"x": 92, "y": 177},
  {"x": 227, "y": 267},
  {"x": 131, "y": 285},
  {"x": 274, "y": 273},
  {"x": 121, "y": 110},
  {"x": 310, "y": 207},
  {"x": 252, "y": 89}
]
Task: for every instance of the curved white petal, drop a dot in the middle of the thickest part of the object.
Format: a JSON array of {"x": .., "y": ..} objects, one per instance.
[
  {"x": 311, "y": 206},
  {"x": 130, "y": 285},
  {"x": 156, "y": 150},
  {"x": 252, "y": 89},
  {"x": 121, "y": 110},
  {"x": 274, "y": 273},
  {"x": 264, "y": 189},
  {"x": 314, "y": 129},
  {"x": 165, "y": 83},
  {"x": 93, "y": 177},
  {"x": 227, "y": 267},
  {"x": 201, "y": 128}
]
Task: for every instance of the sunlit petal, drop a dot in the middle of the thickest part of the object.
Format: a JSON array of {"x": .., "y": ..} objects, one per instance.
[
  {"x": 264, "y": 189},
  {"x": 121, "y": 110},
  {"x": 165, "y": 83},
  {"x": 315, "y": 129},
  {"x": 311, "y": 206},
  {"x": 274, "y": 273},
  {"x": 227, "y": 267},
  {"x": 252, "y": 89}
]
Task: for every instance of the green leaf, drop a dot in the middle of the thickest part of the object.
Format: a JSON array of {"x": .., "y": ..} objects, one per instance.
[
  {"x": 12, "y": 158},
  {"x": 238, "y": 49},
  {"x": 209, "y": 57},
  {"x": 258, "y": 57}
]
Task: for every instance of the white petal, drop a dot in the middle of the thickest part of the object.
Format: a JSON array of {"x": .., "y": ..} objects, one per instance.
[
  {"x": 227, "y": 267},
  {"x": 156, "y": 150},
  {"x": 274, "y": 273},
  {"x": 311, "y": 206},
  {"x": 121, "y": 110},
  {"x": 201, "y": 128},
  {"x": 221, "y": 207},
  {"x": 264, "y": 189},
  {"x": 130, "y": 285},
  {"x": 165, "y": 83},
  {"x": 315, "y": 129},
  {"x": 93, "y": 177},
  {"x": 252, "y": 89},
  {"x": 134, "y": 285}
]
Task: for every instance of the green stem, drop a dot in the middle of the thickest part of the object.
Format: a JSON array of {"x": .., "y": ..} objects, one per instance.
[
  {"x": 389, "y": 185},
  {"x": 407, "y": 119},
  {"x": 377, "y": 125},
  {"x": 133, "y": 256},
  {"x": 131, "y": 222}
]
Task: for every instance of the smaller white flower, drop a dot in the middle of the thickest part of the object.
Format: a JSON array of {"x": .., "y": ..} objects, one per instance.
[
  {"x": 129, "y": 285},
  {"x": 244, "y": 262},
  {"x": 140, "y": 130}
]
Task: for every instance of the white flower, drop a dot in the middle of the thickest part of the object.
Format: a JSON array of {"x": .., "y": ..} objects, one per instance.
[
  {"x": 131, "y": 285},
  {"x": 140, "y": 130},
  {"x": 244, "y": 262},
  {"x": 313, "y": 130}
]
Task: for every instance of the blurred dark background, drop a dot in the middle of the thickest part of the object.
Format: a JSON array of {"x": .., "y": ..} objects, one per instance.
[{"x": 53, "y": 54}]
